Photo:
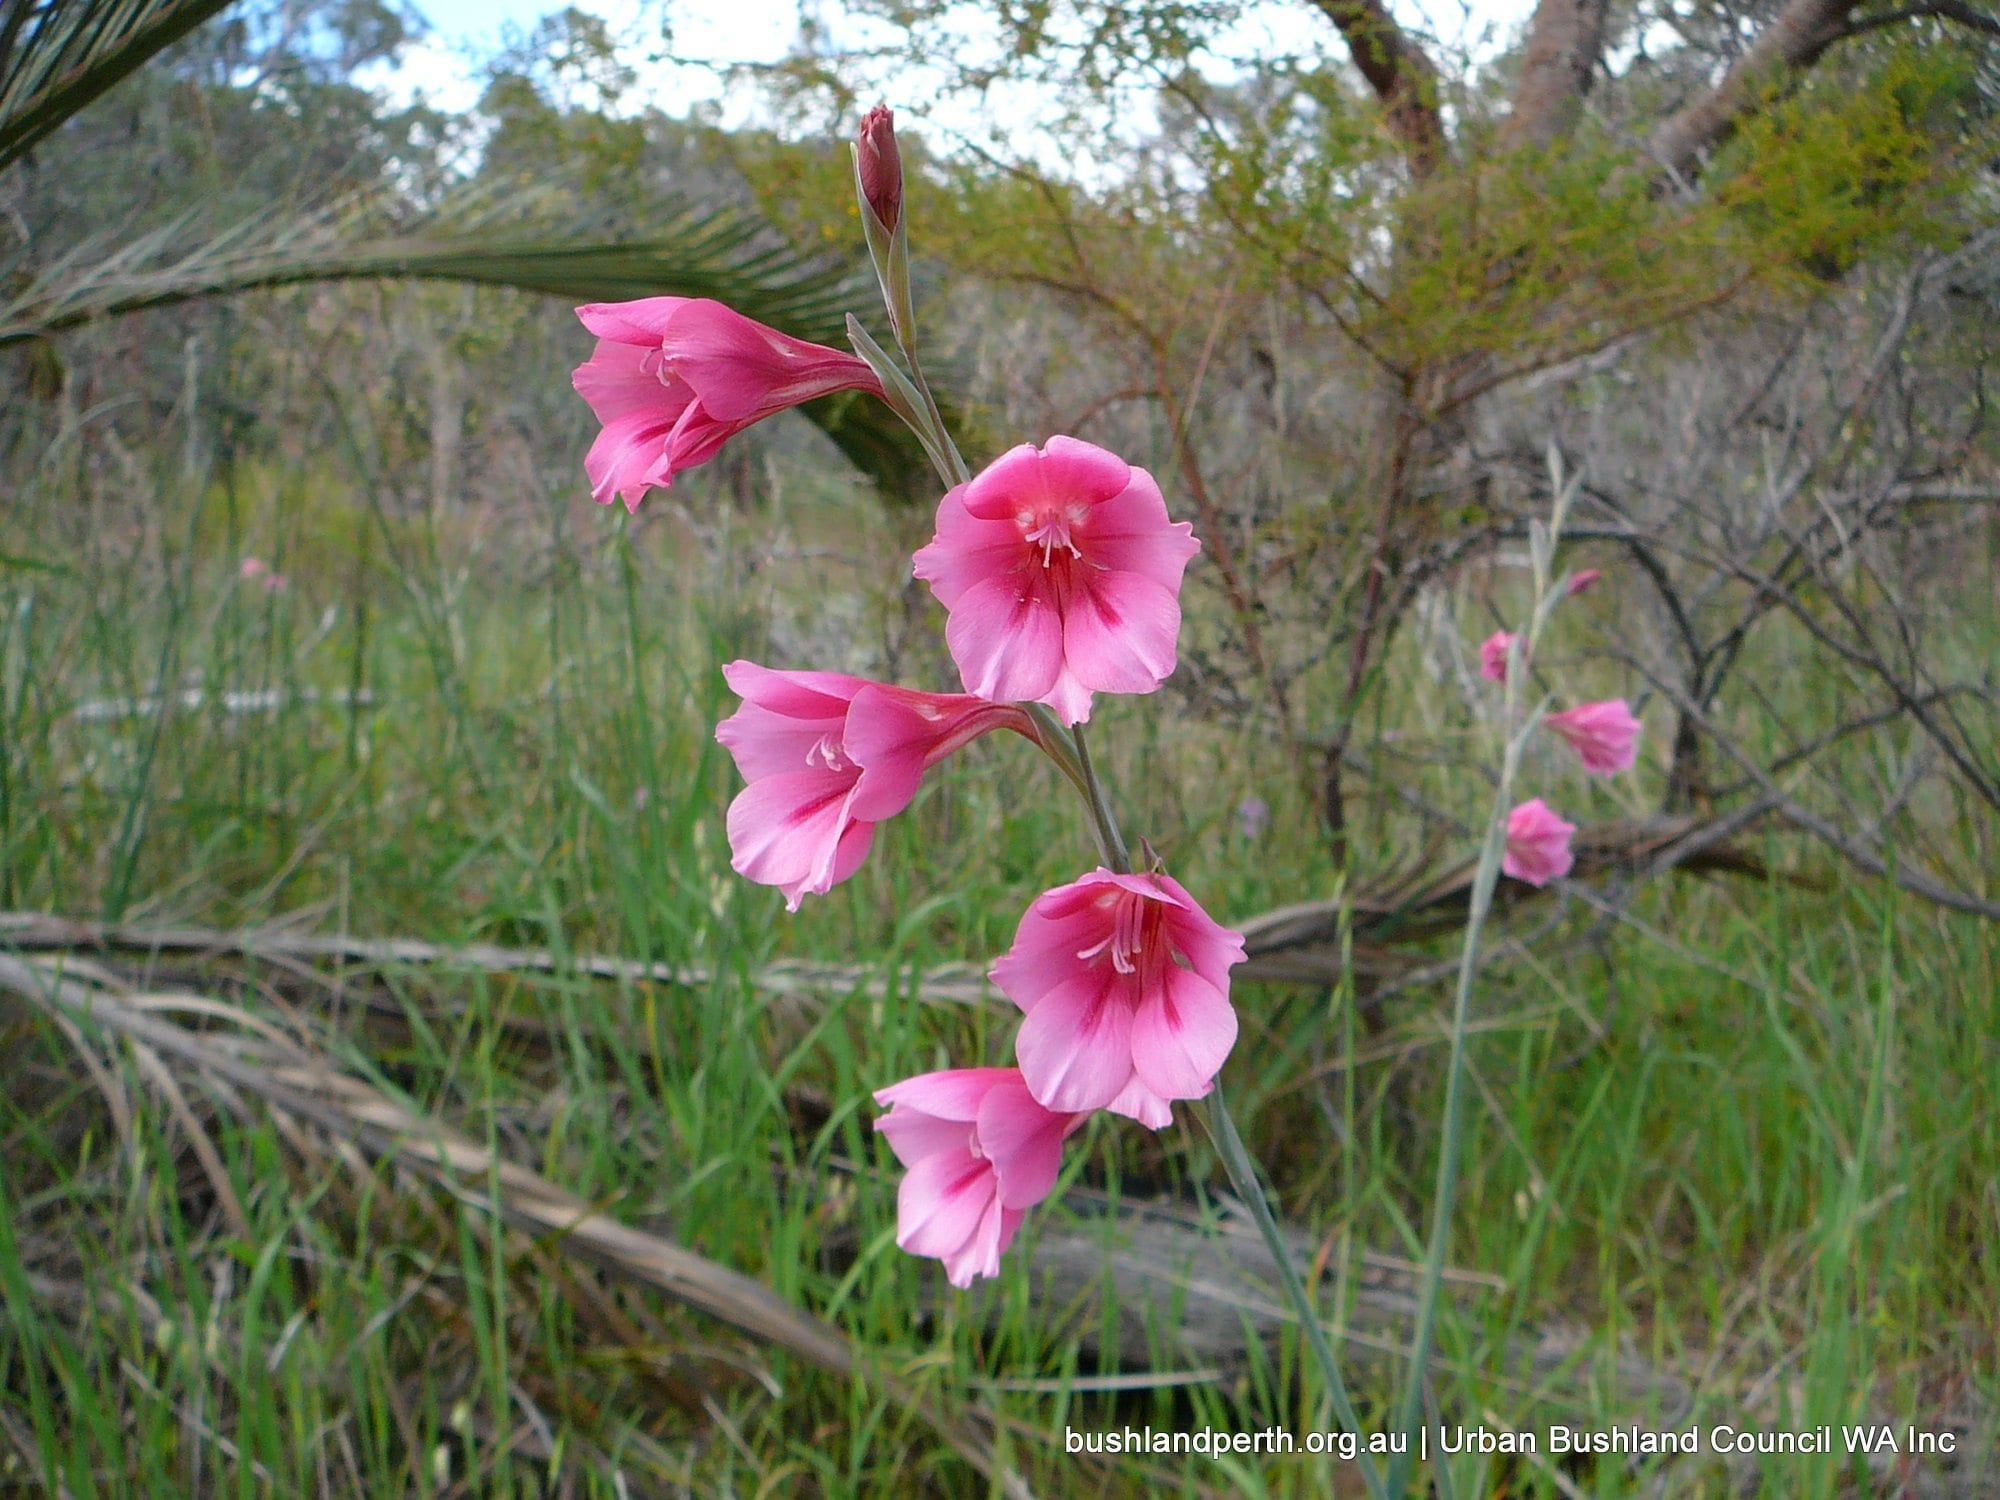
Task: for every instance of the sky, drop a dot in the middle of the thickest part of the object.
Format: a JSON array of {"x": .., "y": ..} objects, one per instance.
[{"x": 444, "y": 69}]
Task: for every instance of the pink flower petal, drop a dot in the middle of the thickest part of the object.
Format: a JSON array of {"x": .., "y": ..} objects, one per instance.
[
  {"x": 628, "y": 458},
  {"x": 1075, "y": 1047},
  {"x": 1069, "y": 700},
  {"x": 1131, "y": 533},
  {"x": 797, "y": 695},
  {"x": 1063, "y": 472},
  {"x": 1044, "y": 954},
  {"x": 848, "y": 857},
  {"x": 1137, "y": 1102},
  {"x": 1007, "y": 643},
  {"x": 1076, "y": 472},
  {"x": 952, "y": 1094},
  {"x": 980, "y": 1255},
  {"x": 698, "y": 436},
  {"x": 766, "y": 744},
  {"x": 1023, "y": 1141},
  {"x": 966, "y": 551},
  {"x": 941, "y": 1202},
  {"x": 743, "y": 371},
  {"x": 913, "y": 1135},
  {"x": 1211, "y": 949},
  {"x": 1181, "y": 1035},
  {"x": 617, "y": 379},
  {"x": 1120, "y": 632},
  {"x": 794, "y": 831},
  {"x": 642, "y": 322}
]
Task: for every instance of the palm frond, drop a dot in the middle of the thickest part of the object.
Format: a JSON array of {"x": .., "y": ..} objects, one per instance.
[
  {"x": 56, "y": 56},
  {"x": 726, "y": 254}
]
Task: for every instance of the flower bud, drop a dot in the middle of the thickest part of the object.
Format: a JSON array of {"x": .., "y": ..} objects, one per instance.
[{"x": 881, "y": 165}]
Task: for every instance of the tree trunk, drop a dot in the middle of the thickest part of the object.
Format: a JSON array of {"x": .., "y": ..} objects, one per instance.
[
  {"x": 1803, "y": 30},
  {"x": 1557, "y": 65}
]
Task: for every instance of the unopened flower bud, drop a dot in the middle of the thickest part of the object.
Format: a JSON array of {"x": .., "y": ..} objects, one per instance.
[{"x": 881, "y": 165}]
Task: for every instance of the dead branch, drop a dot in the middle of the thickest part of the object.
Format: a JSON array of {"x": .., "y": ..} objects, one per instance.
[{"x": 1290, "y": 943}]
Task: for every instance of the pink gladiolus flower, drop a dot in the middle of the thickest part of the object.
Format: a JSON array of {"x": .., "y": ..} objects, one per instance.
[
  {"x": 980, "y": 1153},
  {"x": 1537, "y": 844},
  {"x": 1125, "y": 981},
  {"x": 1062, "y": 577},
  {"x": 1583, "y": 579},
  {"x": 252, "y": 567},
  {"x": 828, "y": 757},
  {"x": 673, "y": 378},
  {"x": 1604, "y": 735},
  {"x": 1493, "y": 655}
]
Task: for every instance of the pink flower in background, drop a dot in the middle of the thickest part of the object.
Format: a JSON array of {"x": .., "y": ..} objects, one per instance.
[
  {"x": 1583, "y": 579},
  {"x": 1253, "y": 816},
  {"x": 1493, "y": 655},
  {"x": 1537, "y": 844},
  {"x": 1061, "y": 574},
  {"x": 1604, "y": 735},
  {"x": 256, "y": 570},
  {"x": 1125, "y": 981},
  {"x": 673, "y": 378},
  {"x": 980, "y": 1153},
  {"x": 828, "y": 757}
]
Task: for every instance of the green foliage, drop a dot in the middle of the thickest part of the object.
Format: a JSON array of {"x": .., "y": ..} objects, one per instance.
[
  {"x": 58, "y": 56},
  {"x": 1847, "y": 166}
]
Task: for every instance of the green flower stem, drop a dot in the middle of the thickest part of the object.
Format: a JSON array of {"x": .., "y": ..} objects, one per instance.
[
  {"x": 1229, "y": 1146},
  {"x": 1068, "y": 749},
  {"x": 889, "y": 251},
  {"x": 1541, "y": 545},
  {"x": 1484, "y": 879},
  {"x": 942, "y": 432},
  {"x": 1108, "y": 836},
  {"x": 1243, "y": 1177},
  {"x": 1055, "y": 742}
]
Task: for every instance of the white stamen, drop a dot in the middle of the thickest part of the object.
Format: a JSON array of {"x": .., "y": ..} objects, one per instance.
[
  {"x": 1128, "y": 937},
  {"x": 829, "y": 752},
  {"x": 1053, "y": 532}
]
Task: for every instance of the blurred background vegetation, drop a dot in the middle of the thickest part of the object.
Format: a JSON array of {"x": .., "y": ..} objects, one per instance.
[{"x": 301, "y": 1193}]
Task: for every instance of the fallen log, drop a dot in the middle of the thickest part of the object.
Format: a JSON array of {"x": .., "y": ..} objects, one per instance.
[{"x": 1299, "y": 943}]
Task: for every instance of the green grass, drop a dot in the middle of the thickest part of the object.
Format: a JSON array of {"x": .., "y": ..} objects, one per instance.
[{"x": 1772, "y": 1163}]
